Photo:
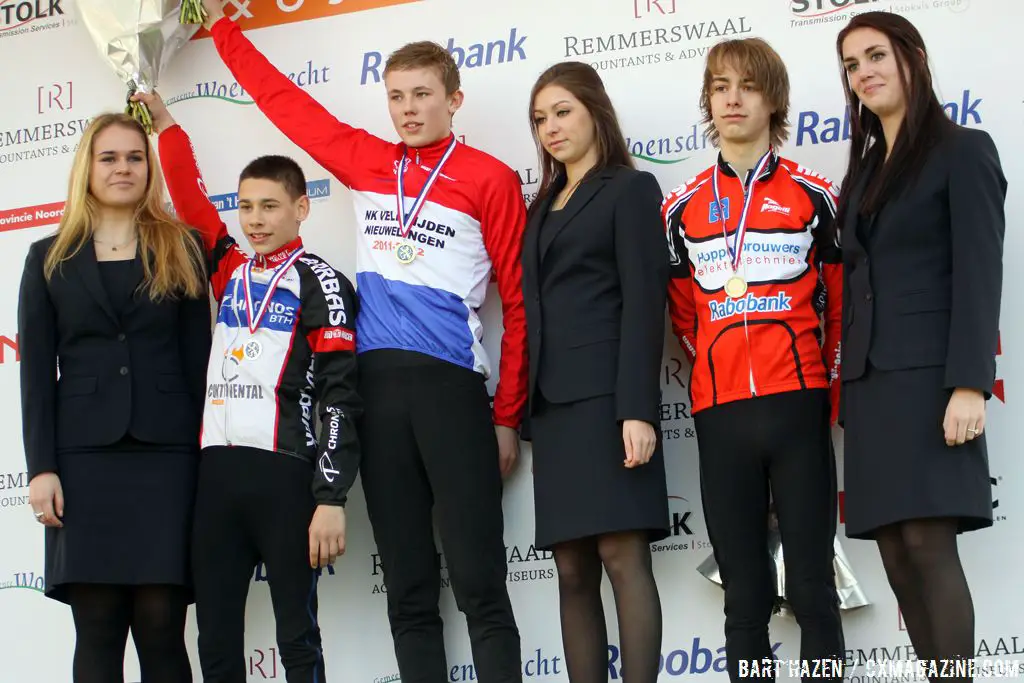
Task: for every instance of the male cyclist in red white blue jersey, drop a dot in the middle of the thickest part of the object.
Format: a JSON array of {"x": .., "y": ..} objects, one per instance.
[{"x": 435, "y": 219}]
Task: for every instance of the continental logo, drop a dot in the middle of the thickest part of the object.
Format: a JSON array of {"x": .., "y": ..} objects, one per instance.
[{"x": 252, "y": 14}]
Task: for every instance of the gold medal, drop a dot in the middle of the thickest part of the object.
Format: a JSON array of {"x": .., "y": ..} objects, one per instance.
[
  {"x": 405, "y": 253},
  {"x": 736, "y": 287}
]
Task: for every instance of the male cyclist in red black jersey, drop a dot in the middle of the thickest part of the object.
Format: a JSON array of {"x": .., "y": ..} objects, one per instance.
[
  {"x": 755, "y": 299},
  {"x": 435, "y": 218}
]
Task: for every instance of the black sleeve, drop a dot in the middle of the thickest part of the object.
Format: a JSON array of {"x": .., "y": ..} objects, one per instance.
[
  {"x": 643, "y": 263},
  {"x": 329, "y": 309},
  {"x": 977, "y": 191},
  {"x": 37, "y": 344},
  {"x": 196, "y": 337}
]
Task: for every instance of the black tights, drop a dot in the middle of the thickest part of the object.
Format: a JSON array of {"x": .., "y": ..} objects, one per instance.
[
  {"x": 627, "y": 559},
  {"x": 103, "y": 614},
  {"x": 923, "y": 566}
]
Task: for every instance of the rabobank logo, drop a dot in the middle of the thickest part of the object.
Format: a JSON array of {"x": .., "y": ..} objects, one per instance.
[
  {"x": 25, "y": 580},
  {"x": 690, "y": 660},
  {"x": 315, "y": 189},
  {"x": 670, "y": 149},
  {"x": 467, "y": 55},
  {"x": 751, "y": 303},
  {"x": 231, "y": 92},
  {"x": 817, "y": 128}
]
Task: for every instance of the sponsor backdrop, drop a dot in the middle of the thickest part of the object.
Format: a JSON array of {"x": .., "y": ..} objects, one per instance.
[{"x": 650, "y": 53}]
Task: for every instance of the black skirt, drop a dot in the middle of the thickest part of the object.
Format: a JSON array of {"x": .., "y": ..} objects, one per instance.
[
  {"x": 896, "y": 463},
  {"x": 581, "y": 486},
  {"x": 127, "y": 517}
]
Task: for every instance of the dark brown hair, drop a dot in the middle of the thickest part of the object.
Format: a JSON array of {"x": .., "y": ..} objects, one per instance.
[
  {"x": 425, "y": 54},
  {"x": 279, "y": 169},
  {"x": 755, "y": 59},
  {"x": 924, "y": 123},
  {"x": 583, "y": 82}
]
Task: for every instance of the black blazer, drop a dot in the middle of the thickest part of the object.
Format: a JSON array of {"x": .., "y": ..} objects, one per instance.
[
  {"x": 924, "y": 276},
  {"x": 142, "y": 373},
  {"x": 595, "y": 298}
]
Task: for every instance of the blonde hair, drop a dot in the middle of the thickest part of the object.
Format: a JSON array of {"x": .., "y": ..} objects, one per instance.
[
  {"x": 755, "y": 59},
  {"x": 173, "y": 262}
]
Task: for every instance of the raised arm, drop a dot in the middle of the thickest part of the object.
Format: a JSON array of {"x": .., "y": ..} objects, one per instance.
[
  {"x": 189, "y": 196},
  {"x": 338, "y": 147}
]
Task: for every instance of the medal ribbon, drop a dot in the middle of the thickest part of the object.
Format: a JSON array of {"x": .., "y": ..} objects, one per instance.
[
  {"x": 271, "y": 288},
  {"x": 736, "y": 249},
  {"x": 406, "y": 221}
]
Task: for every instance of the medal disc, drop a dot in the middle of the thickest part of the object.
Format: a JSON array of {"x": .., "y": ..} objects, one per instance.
[
  {"x": 253, "y": 349},
  {"x": 405, "y": 253},
  {"x": 735, "y": 286}
]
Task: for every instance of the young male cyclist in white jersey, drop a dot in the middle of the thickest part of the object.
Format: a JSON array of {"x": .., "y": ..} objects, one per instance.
[{"x": 435, "y": 219}]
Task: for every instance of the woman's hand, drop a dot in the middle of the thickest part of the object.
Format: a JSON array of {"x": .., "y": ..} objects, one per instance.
[
  {"x": 965, "y": 416},
  {"x": 46, "y": 497},
  {"x": 639, "y": 439}
]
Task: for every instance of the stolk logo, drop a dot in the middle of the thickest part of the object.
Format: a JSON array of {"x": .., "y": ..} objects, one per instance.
[
  {"x": 306, "y": 76},
  {"x": 815, "y": 128},
  {"x": 19, "y": 17},
  {"x": 467, "y": 55},
  {"x": 817, "y": 12},
  {"x": 682, "y": 529}
]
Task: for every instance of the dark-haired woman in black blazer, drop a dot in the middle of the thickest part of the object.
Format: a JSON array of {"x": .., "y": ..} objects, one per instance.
[
  {"x": 595, "y": 279},
  {"x": 922, "y": 223}
]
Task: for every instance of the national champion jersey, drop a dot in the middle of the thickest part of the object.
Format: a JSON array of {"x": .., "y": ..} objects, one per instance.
[
  {"x": 783, "y": 332},
  {"x": 470, "y": 227},
  {"x": 269, "y": 379}
]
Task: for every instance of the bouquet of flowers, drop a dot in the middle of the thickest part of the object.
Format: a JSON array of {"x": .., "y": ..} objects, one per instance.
[
  {"x": 192, "y": 12},
  {"x": 139, "y": 38}
]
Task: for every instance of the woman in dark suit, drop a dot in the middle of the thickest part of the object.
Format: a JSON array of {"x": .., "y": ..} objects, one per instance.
[
  {"x": 922, "y": 229},
  {"x": 595, "y": 278},
  {"x": 114, "y": 325}
]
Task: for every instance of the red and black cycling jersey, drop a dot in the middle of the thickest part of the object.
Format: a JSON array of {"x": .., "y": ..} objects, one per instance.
[{"x": 783, "y": 333}]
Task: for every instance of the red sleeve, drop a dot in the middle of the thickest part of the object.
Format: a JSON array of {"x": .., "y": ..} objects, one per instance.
[
  {"x": 338, "y": 147},
  {"x": 681, "y": 307},
  {"x": 189, "y": 196},
  {"x": 502, "y": 223}
]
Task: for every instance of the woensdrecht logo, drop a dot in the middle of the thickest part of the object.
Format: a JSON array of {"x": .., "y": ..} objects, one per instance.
[
  {"x": 233, "y": 93},
  {"x": 671, "y": 149},
  {"x": 26, "y": 580}
]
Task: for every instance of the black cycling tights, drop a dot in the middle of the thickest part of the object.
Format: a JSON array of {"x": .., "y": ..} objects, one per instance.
[
  {"x": 626, "y": 557},
  {"x": 923, "y": 566},
  {"x": 155, "y": 615}
]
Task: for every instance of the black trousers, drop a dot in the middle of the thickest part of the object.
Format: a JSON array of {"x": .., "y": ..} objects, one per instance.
[
  {"x": 429, "y": 448},
  {"x": 254, "y": 505},
  {"x": 779, "y": 446}
]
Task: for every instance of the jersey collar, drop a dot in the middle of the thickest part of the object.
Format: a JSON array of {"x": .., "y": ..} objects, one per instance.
[
  {"x": 769, "y": 169},
  {"x": 429, "y": 154},
  {"x": 277, "y": 256}
]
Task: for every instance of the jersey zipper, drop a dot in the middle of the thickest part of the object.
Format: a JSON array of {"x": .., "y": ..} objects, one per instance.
[{"x": 748, "y": 188}]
